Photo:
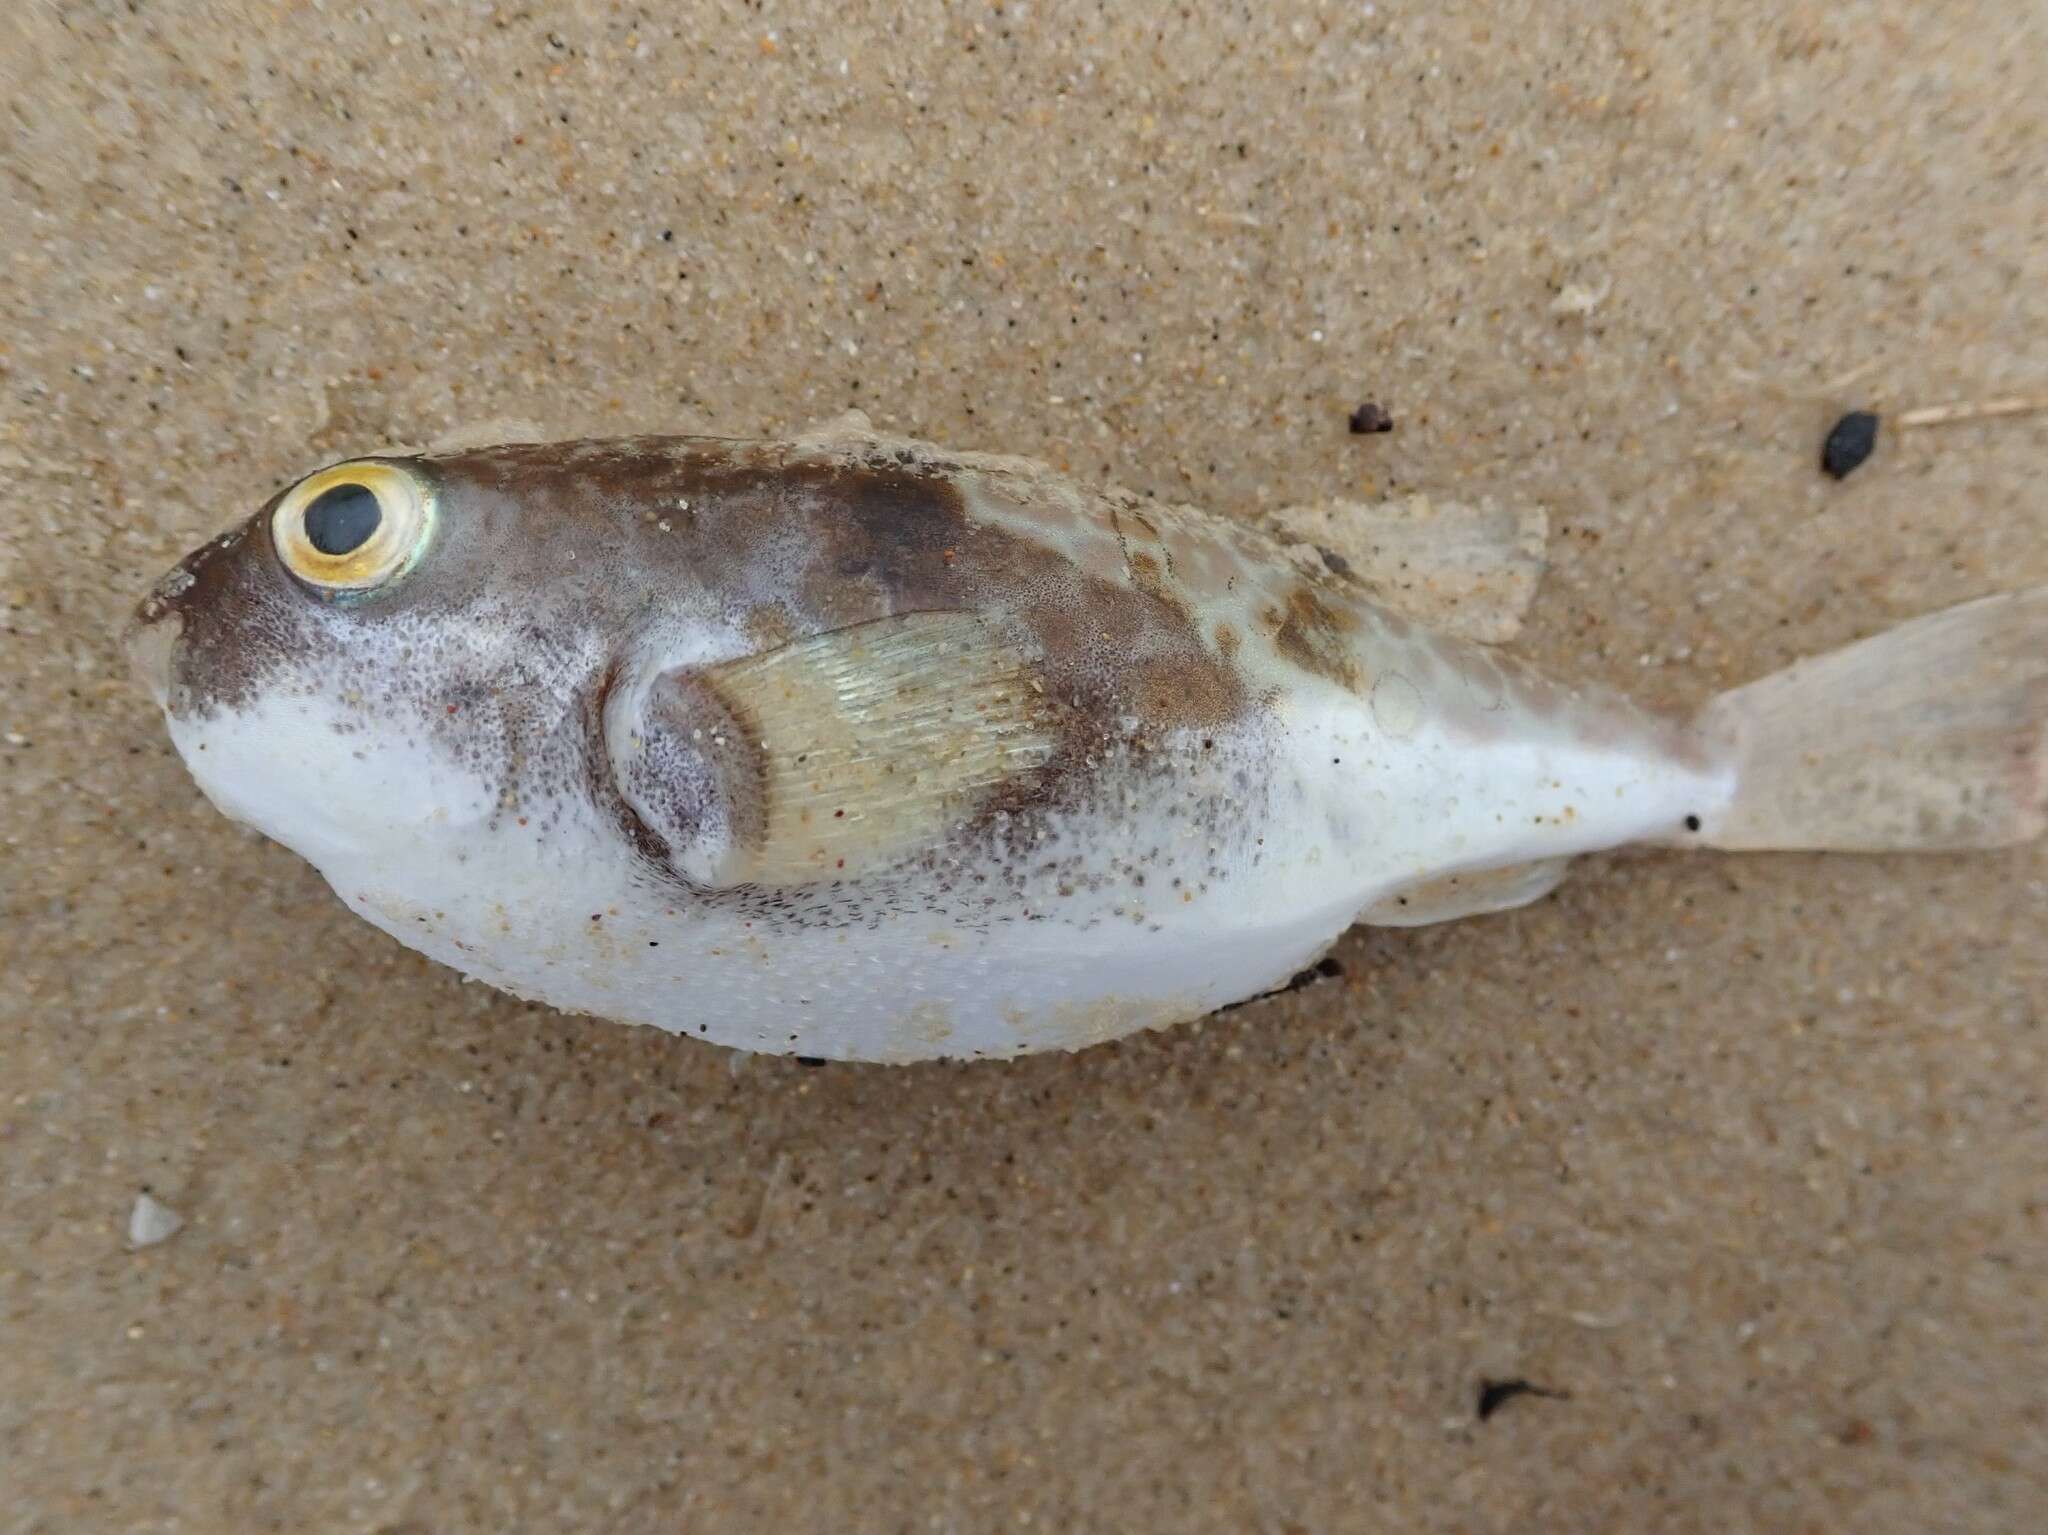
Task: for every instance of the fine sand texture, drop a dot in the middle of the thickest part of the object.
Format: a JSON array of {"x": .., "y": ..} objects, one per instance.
[{"x": 1742, "y": 1161}]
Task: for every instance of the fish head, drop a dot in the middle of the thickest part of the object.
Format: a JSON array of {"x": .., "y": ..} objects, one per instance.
[{"x": 397, "y": 665}]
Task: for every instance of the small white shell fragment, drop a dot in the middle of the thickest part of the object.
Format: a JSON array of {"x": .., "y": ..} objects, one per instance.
[
  {"x": 1579, "y": 298},
  {"x": 151, "y": 1222}
]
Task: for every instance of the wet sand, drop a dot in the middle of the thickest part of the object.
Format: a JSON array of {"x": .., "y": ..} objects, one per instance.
[{"x": 1743, "y": 1158}]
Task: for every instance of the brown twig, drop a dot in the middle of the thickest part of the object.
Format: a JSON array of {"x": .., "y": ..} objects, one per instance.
[{"x": 1971, "y": 410}]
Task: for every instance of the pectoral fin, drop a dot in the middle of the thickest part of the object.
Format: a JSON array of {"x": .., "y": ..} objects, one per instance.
[
  {"x": 835, "y": 755},
  {"x": 1452, "y": 896}
]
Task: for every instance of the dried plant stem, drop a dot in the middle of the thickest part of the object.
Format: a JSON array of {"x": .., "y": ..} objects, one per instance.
[{"x": 1971, "y": 410}]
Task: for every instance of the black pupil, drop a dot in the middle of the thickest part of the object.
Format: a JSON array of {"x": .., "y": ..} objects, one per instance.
[{"x": 341, "y": 520}]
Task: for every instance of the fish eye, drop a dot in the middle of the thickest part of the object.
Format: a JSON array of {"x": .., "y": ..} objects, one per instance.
[{"x": 352, "y": 528}]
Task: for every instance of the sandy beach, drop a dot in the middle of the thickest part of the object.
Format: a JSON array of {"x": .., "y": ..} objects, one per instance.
[{"x": 1740, "y": 1161}]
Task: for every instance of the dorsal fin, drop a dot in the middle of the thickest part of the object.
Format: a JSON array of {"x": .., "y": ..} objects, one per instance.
[{"x": 1464, "y": 570}]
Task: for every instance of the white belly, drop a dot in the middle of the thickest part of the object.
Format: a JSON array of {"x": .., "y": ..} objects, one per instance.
[{"x": 1142, "y": 918}]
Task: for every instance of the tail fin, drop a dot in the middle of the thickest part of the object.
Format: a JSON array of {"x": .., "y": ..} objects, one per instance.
[{"x": 1931, "y": 736}]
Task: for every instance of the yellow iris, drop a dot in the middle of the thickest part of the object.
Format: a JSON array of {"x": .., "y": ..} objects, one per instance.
[{"x": 353, "y": 527}]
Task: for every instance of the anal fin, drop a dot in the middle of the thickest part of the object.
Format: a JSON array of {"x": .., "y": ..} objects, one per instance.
[{"x": 1451, "y": 896}]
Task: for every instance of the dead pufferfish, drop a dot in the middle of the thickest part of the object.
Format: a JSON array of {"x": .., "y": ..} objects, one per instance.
[{"x": 851, "y": 747}]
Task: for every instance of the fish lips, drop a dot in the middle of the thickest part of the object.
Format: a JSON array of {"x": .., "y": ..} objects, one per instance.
[
  {"x": 151, "y": 641},
  {"x": 207, "y": 599}
]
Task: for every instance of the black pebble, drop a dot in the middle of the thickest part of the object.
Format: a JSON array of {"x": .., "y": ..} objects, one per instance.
[
  {"x": 1370, "y": 418},
  {"x": 1496, "y": 1394},
  {"x": 1852, "y": 440}
]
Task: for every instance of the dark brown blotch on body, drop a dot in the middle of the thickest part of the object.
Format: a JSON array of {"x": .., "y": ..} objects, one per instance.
[
  {"x": 888, "y": 538},
  {"x": 1316, "y": 635}
]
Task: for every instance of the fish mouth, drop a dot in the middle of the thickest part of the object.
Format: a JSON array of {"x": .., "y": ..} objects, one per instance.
[{"x": 151, "y": 641}]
